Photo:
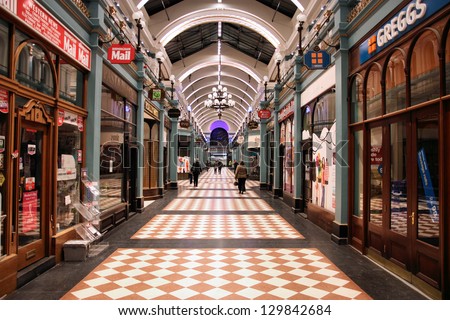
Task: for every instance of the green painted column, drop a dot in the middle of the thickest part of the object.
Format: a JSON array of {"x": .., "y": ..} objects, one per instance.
[
  {"x": 161, "y": 151},
  {"x": 298, "y": 128},
  {"x": 340, "y": 224},
  {"x": 277, "y": 191},
  {"x": 139, "y": 60},
  {"x": 173, "y": 150},
  {"x": 263, "y": 150}
]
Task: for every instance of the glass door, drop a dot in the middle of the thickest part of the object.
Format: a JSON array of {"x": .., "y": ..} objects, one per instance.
[{"x": 32, "y": 188}]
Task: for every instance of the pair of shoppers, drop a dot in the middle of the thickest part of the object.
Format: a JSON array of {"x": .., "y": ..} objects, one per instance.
[
  {"x": 196, "y": 169},
  {"x": 241, "y": 175}
]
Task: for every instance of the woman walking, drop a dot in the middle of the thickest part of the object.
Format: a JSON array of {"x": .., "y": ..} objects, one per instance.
[{"x": 241, "y": 176}]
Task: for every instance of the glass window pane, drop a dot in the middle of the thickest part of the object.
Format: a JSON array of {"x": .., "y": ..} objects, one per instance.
[
  {"x": 356, "y": 106},
  {"x": 447, "y": 63},
  {"x": 3, "y": 190},
  {"x": 373, "y": 93},
  {"x": 34, "y": 69},
  {"x": 376, "y": 171},
  {"x": 69, "y": 158},
  {"x": 4, "y": 44},
  {"x": 428, "y": 180},
  {"x": 425, "y": 69},
  {"x": 71, "y": 83},
  {"x": 398, "y": 178},
  {"x": 111, "y": 165},
  {"x": 358, "y": 174},
  {"x": 395, "y": 83}
]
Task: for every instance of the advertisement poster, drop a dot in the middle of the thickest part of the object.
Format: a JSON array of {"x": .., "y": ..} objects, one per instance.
[
  {"x": 4, "y": 103},
  {"x": 324, "y": 184},
  {"x": 29, "y": 217},
  {"x": 183, "y": 165}
]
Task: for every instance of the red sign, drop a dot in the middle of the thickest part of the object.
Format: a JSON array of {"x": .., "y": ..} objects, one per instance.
[
  {"x": 29, "y": 217},
  {"x": 264, "y": 114},
  {"x": 60, "y": 118},
  {"x": 376, "y": 155},
  {"x": 38, "y": 18},
  {"x": 80, "y": 123},
  {"x": 4, "y": 102},
  {"x": 121, "y": 53}
]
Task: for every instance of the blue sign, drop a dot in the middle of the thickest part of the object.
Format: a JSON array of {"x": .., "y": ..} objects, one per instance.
[
  {"x": 409, "y": 17},
  {"x": 317, "y": 59},
  {"x": 432, "y": 201}
]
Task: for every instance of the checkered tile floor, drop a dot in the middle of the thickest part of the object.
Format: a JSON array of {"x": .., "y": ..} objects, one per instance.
[
  {"x": 212, "y": 212},
  {"x": 230, "y": 226},
  {"x": 208, "y": 274}
]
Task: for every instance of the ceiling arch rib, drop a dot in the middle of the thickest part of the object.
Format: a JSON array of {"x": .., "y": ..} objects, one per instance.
[{"x": 229, "y": 15}]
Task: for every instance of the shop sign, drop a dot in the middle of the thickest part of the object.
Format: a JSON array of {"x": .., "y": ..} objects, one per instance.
[
  {"x": 151, "y": 109},
  {"x": 404, "y": 21},
  {"x": 173, "y": 113},
  {"x": 252, "y": 125},
  {"x": 156, "y": 94},
  {"x": 29, "y": 214},
  {"x": 4, "y": 102},
  {"x": 264, "y": 114},
  {"x": 314, "y": 60},
  {"x": 121, "y": 53},
  {"x": 184, "y": 123},
  {"x": 38, "y": 18},
  {"x": 376, "y": 156}
]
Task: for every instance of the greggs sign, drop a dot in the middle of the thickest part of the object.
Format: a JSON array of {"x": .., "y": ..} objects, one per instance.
[
  {"x": 121, "y": 53},
  {"x": 409, "y": 17},
  {"x": 39, "y": 19}
]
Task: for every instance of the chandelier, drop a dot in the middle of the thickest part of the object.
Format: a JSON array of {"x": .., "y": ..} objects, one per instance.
[{"x": 219, "y": 99}]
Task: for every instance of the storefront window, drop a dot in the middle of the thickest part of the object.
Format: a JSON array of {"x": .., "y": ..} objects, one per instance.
[
  {"x": 395, "y": 83},
  {"x": 68, "y": 181},
  {"x": 447, "y": 63},
  {"x": 425, "y": 69},
  {"x": 3, "y": 159},
  {"x": 34, "y": 69},
  {"x": 376, "y": 175},
  {"x": 71, "y": 83},
  {"x": 356, "y": 99},
  {"x": 358, "y": 173},
  {"x": 4, "y": 44},
  {"x": 373, "y": 93},
  {"x": 118, "y": 124}
]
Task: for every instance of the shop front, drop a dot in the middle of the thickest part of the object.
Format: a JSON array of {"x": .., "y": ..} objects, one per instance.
[
  {"x": 42, "y": 116},
  {"x": 398, "y": 110}
]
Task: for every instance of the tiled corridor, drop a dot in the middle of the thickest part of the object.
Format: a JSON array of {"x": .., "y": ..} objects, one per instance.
[{"x": 211, "y": 242}]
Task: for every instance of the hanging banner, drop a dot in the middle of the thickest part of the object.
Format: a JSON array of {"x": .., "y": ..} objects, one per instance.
[
  {"x": 39, "y": 19},
  {"x": 4, "y": 102},
  {"x": 432, "y": 201}
]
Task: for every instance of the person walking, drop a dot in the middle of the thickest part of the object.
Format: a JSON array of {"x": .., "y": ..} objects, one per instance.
[
  {"x": 219, "y": 166},
  {"x": 235, "y": 164},
  {"x": 241, "y": 176},
  {"x": 196, "y": 170}
]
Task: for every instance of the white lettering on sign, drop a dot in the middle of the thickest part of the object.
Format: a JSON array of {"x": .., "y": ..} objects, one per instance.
[
  {"x": 83, "y": 57},
  {"x": 399, "y": 23},
  {"x": 70, "y": 47},
  {"x": 121, "y": 54},
  {"x": 10, "y": 5}
]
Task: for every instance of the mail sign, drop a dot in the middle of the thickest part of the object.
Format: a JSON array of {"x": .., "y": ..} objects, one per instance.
[
  {"x": 409, "y": 17},
  {"x": 121, "y": 53}
]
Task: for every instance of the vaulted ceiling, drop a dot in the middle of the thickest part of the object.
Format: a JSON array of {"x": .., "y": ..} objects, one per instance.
[{"x": 250, "y": 33}]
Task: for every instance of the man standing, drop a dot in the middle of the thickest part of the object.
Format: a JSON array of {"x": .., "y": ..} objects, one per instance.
[
  {"x": 196, "y": 169},
  {"x": 241, "y": 176}
]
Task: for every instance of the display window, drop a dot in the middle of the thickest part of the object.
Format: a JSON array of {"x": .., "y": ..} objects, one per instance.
[
  {"x": 71, "y": 83},
  {"x": 70, "y": 158},
  {"x": 4, "y": 44},
  {"x": 3, "y": 183},
  {"x": 118, "y": 128}
]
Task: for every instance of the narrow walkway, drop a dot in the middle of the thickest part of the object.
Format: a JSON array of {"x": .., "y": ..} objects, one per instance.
[{"x": 211, "y": 242}]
